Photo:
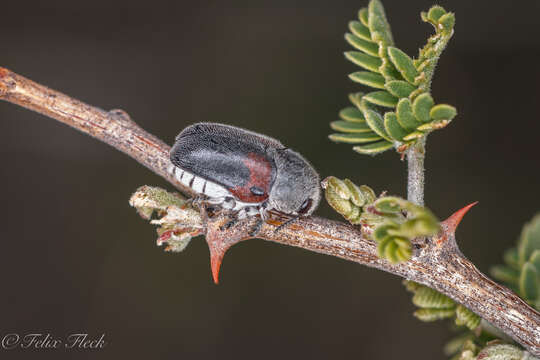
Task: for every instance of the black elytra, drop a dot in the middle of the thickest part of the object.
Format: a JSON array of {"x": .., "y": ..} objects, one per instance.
[{"x": 234, "y": 158}]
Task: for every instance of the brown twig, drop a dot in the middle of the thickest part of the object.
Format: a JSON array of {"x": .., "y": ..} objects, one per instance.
[{"x": 436, "y": 262}]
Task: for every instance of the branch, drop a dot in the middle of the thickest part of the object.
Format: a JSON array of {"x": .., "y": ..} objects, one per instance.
[
  {"x": 436, "y": 262},
  {"x": 113, "y": 127},
  {"x": 415, "y": 179}
]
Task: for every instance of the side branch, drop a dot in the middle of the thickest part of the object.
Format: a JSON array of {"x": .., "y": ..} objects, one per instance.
[{"x": 436, "y": 262}]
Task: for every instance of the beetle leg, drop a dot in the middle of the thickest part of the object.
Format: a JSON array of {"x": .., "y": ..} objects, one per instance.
[
  {"x": 263, "y": 213},
  {"x": 263, "y": 210},
  {"x": 242, "y": 214},
  {"x": 229, "y": 224},
  {"x": 195, "y": 201},
  {"x": 256, "y": 228},
  {"x": 228, "y": 203},
  {"x": 290, "y": 221},
  {"x": 251, "y": 211}
]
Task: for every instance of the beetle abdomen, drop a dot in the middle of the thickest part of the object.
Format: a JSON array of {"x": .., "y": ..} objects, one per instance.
[{"x": 198, "y": 184}]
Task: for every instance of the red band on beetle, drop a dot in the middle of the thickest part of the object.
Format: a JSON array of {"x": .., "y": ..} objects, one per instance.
[{"x": 260, "y": 175}]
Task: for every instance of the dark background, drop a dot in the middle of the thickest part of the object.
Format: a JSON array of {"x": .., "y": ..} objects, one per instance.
[{"x": 76, "y": 258}]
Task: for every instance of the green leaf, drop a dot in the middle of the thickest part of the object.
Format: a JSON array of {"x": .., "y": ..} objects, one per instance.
[
  {"x": 340, "y": 205},
  {"x": 381, "y": 232},
  {"x": 405, "y": 115},
  {"x": 498, "y": 351},
  {"x": 374, "y": 148},
  {"x": 535, "y": 260},
  {"x": 458, "y": 345},
  {"x": 435, "y": 13},
  {"x": 392, "y": 253},
  {"x": 368, "y": 78},
  {"x": 412, "y": 286},
  {"x": 434, "y": 314},
  {"x": 418, "y": 226},
  {"x": 388, "y": 70},
  {"x": 357, "y": 138},
  {"x": 360, "y": 30},
  {"x": 383, "y": 243},
  {"x": 399, "y": 88},
  {"x": 404, "y": 253},
  {"x": 355, "y": 99},
  {"x": 376, "y": 123},
  {"x": 433, "y": 125},
  {"x": 403, "y": 64},
  {"x": 363, "y": 45},
  {"x": 363, "y": 16},
  {"x": 357, "y": 196},
  {"x": 339, "y": 186},
  {"x": 529, "y": 240},
  {"x": 388, "y": 204},
  {"x": 447, "y": 21},
  {"x": 352, "y": 114},
  {"x": 529, "y": 282},
  {"x": 388, "y": 252},
  {"x": 381, "y": 98},
  {"x": 413, "y": 136},
  {"x": 392, "y": 126},
  {"x": 364, "y": 105},
  {"x": 378, "y": 25},
  {"x": 426, "y": 297},
  {"x": 402, "y": 242},
  {"x": 368, "y": 62},
  {"x": 422, "y": 106},
  {"x": 466, "y": 317},
  {"x": 505, "y": 274},
  {"x": 345, "y": 190},
  {"x": 350, "y": 127},
  {"x": 428, "y": 55},
  {"x": 368, "y": 193},
  {"x": 443, "y": 112},
  {"x": 150, "y": 199},
  {"x": 511, "y": 258}
]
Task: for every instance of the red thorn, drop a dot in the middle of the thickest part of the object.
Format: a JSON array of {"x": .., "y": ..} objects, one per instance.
[
  {"x": 220, "y": 238},
  {"x": 219, "y": 241},
  {"x": 216, "y": 257},
  {"x": 453, "y": 221}
]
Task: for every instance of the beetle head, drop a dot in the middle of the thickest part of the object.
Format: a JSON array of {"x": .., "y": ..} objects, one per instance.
[{"x": 296, "y": 190}]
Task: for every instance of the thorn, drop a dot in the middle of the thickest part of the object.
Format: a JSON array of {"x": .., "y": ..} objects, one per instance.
[
  {"x": 217, "y": 248},
  {"x": 453, "y": 221},
  {"x": 216, "y": 258},
  {"x": 220, "y": 239}
]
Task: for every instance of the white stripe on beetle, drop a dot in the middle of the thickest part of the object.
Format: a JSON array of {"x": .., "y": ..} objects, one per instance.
[{"x": 215, "y": 192}]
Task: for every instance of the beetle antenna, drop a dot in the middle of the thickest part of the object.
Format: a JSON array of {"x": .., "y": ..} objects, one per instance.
[{"x": 290, "y": 221}]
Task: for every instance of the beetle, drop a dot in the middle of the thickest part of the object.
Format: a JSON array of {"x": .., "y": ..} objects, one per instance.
[{"x": 243, "y": 171}]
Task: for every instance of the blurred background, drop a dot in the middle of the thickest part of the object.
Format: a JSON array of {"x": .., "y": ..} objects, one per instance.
[{"x": 76, "y": 258}]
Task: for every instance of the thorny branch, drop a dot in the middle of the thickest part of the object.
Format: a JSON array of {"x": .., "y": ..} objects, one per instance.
[{"x": 436, "y": 262}]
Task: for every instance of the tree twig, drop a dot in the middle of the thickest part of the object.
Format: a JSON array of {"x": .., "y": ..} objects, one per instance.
[
  {"x": 436, "y": 262},
  {"x": 415, "y": 169}
]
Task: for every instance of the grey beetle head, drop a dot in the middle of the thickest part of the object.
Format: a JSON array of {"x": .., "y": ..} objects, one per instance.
[{"x": 296, "y": 189}]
